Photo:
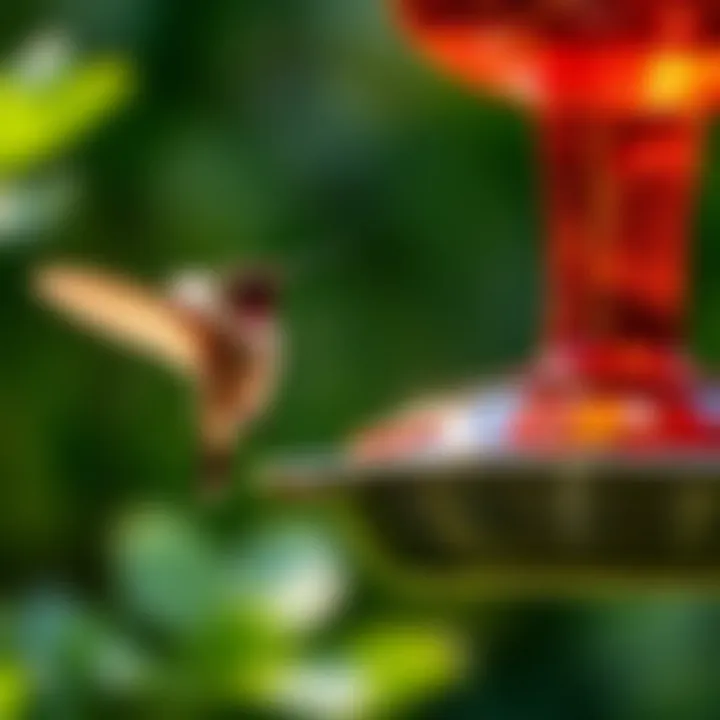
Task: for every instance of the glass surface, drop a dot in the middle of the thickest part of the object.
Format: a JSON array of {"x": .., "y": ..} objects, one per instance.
[
  {"x": 603, "y": 53},
  {"x": 620, "y": 90}
]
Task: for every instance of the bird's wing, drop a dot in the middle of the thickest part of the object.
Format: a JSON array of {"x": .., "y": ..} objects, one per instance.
[{"x": 123, "y": 312}]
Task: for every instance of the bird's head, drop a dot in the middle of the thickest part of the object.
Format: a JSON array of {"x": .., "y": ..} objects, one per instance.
[
  {"x": 251, "y": 300},
  {"x": 253, "y": 295},
  {"x": 244, "y": 301}
]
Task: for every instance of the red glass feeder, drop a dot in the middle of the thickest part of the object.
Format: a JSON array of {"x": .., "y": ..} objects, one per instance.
[{"x": 621, "y": 91}]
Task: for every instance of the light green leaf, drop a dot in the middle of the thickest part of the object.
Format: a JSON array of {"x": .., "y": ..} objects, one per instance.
[
  {"x": 294, "y": 576},
  {"x": 38, "y": 124},
  {"x": 407, "y": 663},
  {"x": 165, "y": 570},
  {"x": 381, "y": 671},
  {"x": 14, "y": 691}
]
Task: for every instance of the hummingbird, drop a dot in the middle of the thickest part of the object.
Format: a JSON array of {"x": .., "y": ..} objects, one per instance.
[{"x": 218, "y": 330}]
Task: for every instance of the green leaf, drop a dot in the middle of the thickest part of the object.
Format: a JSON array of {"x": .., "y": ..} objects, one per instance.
[
  {"x": 383, "y": 670},
  {"x": 165, "y": 570},
  {"x": 407, "y": 663},
  {"x": 14, "y": 691},
  {"x": 294, "y": 576},
  {"x": 39, "y": 124}
]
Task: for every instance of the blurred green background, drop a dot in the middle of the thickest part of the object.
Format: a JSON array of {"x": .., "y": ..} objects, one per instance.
[{"x": 306, "y": 132}]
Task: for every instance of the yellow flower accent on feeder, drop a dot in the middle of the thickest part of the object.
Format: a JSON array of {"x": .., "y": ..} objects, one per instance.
[
  {"x": 673, "y": 80},
  {"x": 37, "y": 123},
  {"x": 599, "y": 422},
  {"x": 13, "y": 692},
  {"x": 596, "y": 421}
]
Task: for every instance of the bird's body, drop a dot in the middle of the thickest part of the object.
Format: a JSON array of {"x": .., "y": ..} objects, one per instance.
[
  {"x": 220, "y": 332},
  {"x": 236, "y": 384}
]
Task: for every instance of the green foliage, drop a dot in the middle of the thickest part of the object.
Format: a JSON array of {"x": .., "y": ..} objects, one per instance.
[
  {"x": 187, "y": 628},
  {"x": 40, "y": 123},
  {"x": 403, "y": 662},
  {"x": 165, "y": 570},
  {"x": 14, "y": 691}
]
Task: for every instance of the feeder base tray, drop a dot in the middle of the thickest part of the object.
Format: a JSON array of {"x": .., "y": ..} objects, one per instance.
[
  {"x": 538, "y": 523},
  {"x": 475, "y": 502}
]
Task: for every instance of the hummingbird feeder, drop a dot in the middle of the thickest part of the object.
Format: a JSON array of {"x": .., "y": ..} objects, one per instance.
[{"x": 602, "y": 462}]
